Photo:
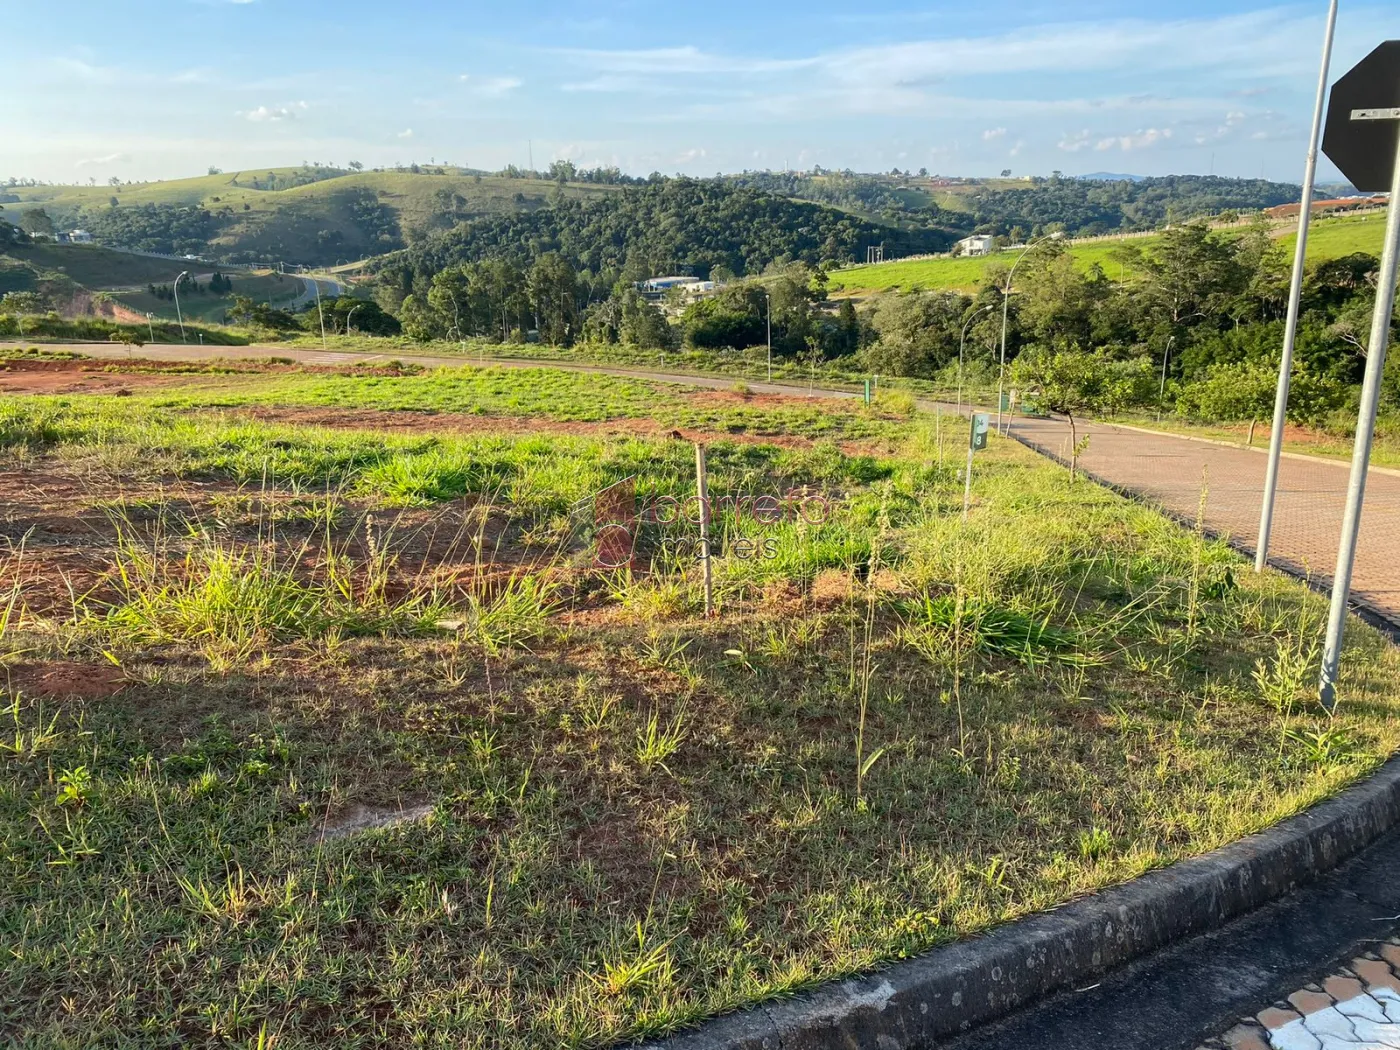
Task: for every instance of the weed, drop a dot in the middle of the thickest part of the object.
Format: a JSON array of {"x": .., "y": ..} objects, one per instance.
[{"x": 655, "y": 744}]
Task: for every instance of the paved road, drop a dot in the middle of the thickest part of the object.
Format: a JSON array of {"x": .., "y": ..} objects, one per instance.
[
  {"x": 308, "y": 292},
  {"x": 1167, "y": 469},
  {"x": 1173, "y": 472}
]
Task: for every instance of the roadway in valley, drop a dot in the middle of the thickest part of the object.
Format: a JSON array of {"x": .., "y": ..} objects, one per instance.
[{"x": 1171, "y": 471}]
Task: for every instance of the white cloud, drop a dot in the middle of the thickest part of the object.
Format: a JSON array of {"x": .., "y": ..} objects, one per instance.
[
  {"x": 110, "y": 158},
  {"x": 993, "y": 133},
  {"x": 687, "y": 59},
  {"x": 490, "y": 87},
  {"x": 406, "y": 133},
  {"x": 273, "y": 114},
  {"x": 1142, "y": 139},
  {"x": 689, "y": 155},
  {"x": 1074, "y": 143}
]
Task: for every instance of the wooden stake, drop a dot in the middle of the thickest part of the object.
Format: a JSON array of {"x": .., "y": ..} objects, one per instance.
[{"x": 702, "y": 491}]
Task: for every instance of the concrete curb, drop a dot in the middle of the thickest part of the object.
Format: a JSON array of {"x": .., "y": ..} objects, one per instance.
[{"x": 955, "y": 988}]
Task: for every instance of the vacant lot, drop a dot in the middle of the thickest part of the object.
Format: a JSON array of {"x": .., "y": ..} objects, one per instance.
[{"x": 325, "y": 727}]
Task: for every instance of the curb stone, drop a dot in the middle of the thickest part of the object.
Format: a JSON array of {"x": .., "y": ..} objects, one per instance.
[{"x": 959, "y": 986}]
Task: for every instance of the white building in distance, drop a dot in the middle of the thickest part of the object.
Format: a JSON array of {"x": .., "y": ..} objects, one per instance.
[{"x": 977, "y": 244}]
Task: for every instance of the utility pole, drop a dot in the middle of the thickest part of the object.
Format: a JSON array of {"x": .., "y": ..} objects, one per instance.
[
  {"x": 151, "y": 325},
  {"x": 1295, "y": 295}
]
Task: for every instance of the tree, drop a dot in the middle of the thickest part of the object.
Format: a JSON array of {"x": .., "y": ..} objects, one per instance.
[
  {"x": 918, "y": 333},
  {"x": 554, "y": 297},
  {"x": 36, "y": 221},
  {"x": 1073, "y": 383}
]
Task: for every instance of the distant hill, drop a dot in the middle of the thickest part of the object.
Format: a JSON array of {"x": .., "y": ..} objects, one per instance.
[
  {"x": 304, "y": 215},
  {"x": 682, "y": 226},
  {"x": 1109, "y": 176}
]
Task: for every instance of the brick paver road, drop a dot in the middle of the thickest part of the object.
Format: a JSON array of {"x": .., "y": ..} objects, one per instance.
[
  {"x": 1355, "y": 1008},
  {"x": 1171, "y": 471}
]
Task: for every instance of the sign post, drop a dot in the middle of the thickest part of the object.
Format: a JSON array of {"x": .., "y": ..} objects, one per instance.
[
  {"x": 976, "y": 442},
  {"x": 1295, "y": 297},
  {"x": 1363, "y": 140}
]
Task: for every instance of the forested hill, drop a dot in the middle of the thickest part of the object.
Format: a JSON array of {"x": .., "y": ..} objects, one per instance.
[
  {"x": 1086, "y": 207},
  {"x": 683, "y": 226}
]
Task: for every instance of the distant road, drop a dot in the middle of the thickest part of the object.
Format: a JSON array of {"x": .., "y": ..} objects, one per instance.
[
  {"x": 1166, "y": 469},
  {"x": 308, "y": 292}
]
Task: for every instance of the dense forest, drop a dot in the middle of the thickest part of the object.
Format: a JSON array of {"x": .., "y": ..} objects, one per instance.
[
  {"x": 1081, "y": 207},
  {"x": 1087, "y": 208},
  {"x": 678, "y": 226}
]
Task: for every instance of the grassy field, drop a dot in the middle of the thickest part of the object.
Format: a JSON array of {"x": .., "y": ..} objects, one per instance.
[
  {"x": 262, "y": 287},
  {"x": 411, "y": 196},
  {"x": 1329, "y": 239},
  {"x": 964, "y": 274},
  {"x": 336, "y": 733},
  {"x": 93, "y": 267}
]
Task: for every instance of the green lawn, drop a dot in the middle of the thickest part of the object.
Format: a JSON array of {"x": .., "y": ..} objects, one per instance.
[
  {"x": 964, "y": 274},
  {"x": 1329, "y": 238},
  {"x": 621, "y": 816},
  {"x": 263, "y": 287},
  {"x": 558, "y": 395},
  {"x": 94, "y": 267}
]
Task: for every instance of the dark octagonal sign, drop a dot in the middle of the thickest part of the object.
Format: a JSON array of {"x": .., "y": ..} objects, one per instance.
[{"x": 1364, "y": 150}]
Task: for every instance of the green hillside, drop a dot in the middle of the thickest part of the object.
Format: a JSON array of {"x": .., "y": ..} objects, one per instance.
[
  {"x": 964, "y": 274},
  {"x": 1329, "y": 239},
  {"x": 263, "y": 215},
  {"x": 89, "y": 265}
]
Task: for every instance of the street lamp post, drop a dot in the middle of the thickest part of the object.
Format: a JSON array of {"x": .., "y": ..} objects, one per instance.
[
  {"x": 151, "y": 325},
  {"x": 350, "y": 315},
  {"x": 962, "y": 342},
  {"x": 1162, "y": 390},
  {"x": 319, "y": 313},
  {"x": 1005, "y": 310},
  {"x": 178, "y": 315},
  {"x": 768, "y": 299}
]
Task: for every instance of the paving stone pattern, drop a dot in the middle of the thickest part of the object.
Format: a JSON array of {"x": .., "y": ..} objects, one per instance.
[
  {"x": 1174, "y": 471},
  {"x": 1356, "y": 1007}
]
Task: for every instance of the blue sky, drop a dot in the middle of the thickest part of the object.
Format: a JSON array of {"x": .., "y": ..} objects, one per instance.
[{"x": 164, "y": 88}]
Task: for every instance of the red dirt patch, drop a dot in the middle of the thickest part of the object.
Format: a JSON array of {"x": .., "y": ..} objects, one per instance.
[
  {"x": 395, "y": 420},
  {"x": 101, "y": 376},
  {"x": 66, "y": 680}
]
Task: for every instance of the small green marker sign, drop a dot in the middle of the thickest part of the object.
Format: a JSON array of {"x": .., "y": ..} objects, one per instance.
[{"x": 981, "y": 423}]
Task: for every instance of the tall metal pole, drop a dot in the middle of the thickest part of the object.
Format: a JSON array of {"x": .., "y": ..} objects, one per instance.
[
  {"x": 178, "y": 315},
  {"x": 1361, "y": 455},
  {"x": 962, "y": 342},
  {"x": 319, "y": 313},
  {"x": 1005, "y": 308},
  {"x": 769, "y": 300},
  {"x": 1295, "y": 295},
  {"x": 1162, "y": 390}
]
